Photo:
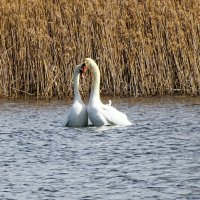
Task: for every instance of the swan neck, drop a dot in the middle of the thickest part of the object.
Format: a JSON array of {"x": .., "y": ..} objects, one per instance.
[
  {"x": 77, "y": 96},
  {"x": 95, "y": 94}
]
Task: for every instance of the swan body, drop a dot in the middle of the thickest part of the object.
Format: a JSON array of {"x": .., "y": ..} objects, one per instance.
[
  {"x": 77, "y": 115},
  {"x": 101, "y": 114}
]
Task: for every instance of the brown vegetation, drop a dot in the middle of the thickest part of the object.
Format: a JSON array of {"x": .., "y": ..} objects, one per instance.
[{"x": 143, "y": 47}]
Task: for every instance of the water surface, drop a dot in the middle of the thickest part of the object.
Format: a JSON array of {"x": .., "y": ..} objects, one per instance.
[{"x": 158, "y": 157}]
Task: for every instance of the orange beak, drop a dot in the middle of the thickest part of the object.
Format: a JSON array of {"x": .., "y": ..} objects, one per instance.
[
  {"x": 83, "y": 70},
  {"x": 82, "y": 75}
]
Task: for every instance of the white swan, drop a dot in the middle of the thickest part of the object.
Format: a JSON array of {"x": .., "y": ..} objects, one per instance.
[
  {"x": 101, "y": 114},
  {"x": 77, "y": 115}
]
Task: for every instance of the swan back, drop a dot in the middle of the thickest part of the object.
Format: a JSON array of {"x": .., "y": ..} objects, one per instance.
[{"x": 113, "y": 116}]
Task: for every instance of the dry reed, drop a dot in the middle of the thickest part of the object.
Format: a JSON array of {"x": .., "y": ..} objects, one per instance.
[{"x": 143, "y": 47}]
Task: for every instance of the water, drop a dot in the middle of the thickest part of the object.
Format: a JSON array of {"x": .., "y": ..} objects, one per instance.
[{"x": 156, "y": 158}]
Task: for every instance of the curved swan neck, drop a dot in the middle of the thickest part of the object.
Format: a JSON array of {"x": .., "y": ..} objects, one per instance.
[
  {"x": 77, "y": 96},
  {"x": 95, "y": 82}
]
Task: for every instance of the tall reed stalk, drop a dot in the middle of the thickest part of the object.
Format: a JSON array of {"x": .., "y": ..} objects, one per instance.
[{"x": 143, "y": 47}]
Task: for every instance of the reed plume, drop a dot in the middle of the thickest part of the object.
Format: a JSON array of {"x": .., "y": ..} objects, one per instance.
[{"x": 143, "y": 47}]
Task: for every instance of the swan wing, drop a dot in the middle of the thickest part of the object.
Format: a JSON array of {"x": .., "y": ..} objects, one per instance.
[
  {"x": 77, "y": 116},
  {"x": 66, "y": 120},
  {"x": 70, "y": 115},
  {"x": 96, "y": 116},
  {"x": 113, "y": 116}
]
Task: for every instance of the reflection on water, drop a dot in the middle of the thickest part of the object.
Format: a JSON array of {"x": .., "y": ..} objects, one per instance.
[{"x": 156, "y": 158}]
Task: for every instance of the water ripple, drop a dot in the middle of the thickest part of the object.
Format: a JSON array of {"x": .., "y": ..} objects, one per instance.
[{"x": 155, "y": 158}]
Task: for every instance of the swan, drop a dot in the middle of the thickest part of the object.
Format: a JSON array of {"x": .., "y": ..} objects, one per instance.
[
  {"x": 77, "y": 115},
  {"x": 101, "y": 114}
]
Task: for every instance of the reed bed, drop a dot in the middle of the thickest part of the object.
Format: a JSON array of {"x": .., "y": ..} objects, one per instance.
[{"x": 143, "y": 47}]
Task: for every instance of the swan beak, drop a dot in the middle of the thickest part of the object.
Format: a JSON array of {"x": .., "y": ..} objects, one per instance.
[
  {"x": 83, "y": 70},
  {"x": 81, "y": 73},
  {"x": 84, "y": 67}
]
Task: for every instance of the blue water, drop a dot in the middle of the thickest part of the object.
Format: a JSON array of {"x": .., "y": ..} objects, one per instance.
[{"x": 158, "y": 157}]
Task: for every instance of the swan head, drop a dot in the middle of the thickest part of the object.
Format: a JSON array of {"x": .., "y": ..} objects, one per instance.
[
  {"x": 89, "y": 63},
  {"x": 80, "y": 69}
]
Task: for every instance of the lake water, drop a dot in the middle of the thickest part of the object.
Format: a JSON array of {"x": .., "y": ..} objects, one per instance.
[{"x": 158, "y": 157}]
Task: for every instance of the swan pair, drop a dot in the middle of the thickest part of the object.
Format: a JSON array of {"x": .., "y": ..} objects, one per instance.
[{"x": 99, "y": 114}]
